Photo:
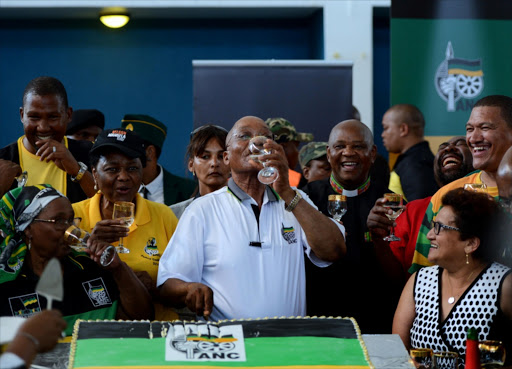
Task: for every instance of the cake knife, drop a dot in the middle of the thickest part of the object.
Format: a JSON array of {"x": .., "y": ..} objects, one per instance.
[{"x": 50, "y": 283}]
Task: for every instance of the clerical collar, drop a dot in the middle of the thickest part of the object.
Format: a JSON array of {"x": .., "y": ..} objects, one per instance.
[{"x": 349, "y": 193}]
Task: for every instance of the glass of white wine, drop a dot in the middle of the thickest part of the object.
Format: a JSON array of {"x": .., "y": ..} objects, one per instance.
[
  {"x": 422, "y": 358},
  {"x": 395, "y": 202},
  {"x": 77, "y": 238},
  {"x": 337, "y": 206},
  {"x": 492, "y": 354},
  {"x": 267, "y": 175},
  {"x": 126, "y": 211},
  {"x": 445, "y": 360}
]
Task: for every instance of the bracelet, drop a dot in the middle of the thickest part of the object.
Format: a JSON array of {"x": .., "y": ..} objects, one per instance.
[
  {"x": 31, "y": 338},
  {"x": 294, "y": 202}
]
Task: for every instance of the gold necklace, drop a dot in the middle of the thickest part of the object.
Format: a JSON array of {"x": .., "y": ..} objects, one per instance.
[{"x": 451, "y": 299}]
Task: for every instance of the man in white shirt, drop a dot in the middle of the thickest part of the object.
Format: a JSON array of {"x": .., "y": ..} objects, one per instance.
[
  {"x": 239, "y": 252},
  {"x": 159, "y": 184}
]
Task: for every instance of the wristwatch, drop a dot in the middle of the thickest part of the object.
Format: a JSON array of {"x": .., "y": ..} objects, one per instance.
[{"x": 81, "y": 172}]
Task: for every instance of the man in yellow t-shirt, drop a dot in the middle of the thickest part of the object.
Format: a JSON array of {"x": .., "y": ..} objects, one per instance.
[
  {"x": 43, "y": 151},
  {"x": 488, "y": 135}
]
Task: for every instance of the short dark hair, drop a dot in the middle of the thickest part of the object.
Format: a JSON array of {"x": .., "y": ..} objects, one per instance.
[
  {"x": 46, "y": 86},
  {"x": 504, "y": 103},
  {"x": 199, "y": 140},
  {"x": 412, "y": 116},
  {"x": 476, "y": 215}
]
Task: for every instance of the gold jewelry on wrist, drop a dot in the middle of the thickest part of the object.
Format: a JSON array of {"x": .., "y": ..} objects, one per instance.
[
  {"x": 81, "y": 172},
  {"x": 294, "y": 202}
]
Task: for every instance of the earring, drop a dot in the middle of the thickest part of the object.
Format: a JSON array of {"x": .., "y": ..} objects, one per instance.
[
  {"x": 194, "y": 173},
  {"x": 467, "y": 259},
  {"x": 95, "y": 187},
  {"x": 29, "y": 243}
]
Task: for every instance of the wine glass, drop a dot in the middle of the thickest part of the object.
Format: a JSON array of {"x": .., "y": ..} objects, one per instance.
[
  {"x": 492, "y": 354},
  {"x": 476, "y": 187},
  {"x": 267, "y": 175},
  {"x": 445, "y": 360},
  {"x": 337, "y": 206},
  {"x": 22, "y": 179},
  {"x": 77, "y": 238},
  {"x": 124, "y": 210},
  {"x": 422, "y": 358},
  {"x": 395, "y": 202}
]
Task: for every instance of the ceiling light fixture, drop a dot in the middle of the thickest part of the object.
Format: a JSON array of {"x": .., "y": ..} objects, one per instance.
[{"x": 114, "y": 17}]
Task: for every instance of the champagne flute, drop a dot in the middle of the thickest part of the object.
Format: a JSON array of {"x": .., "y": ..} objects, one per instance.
[
  {"x": 22, "y": 179},
  {"x": 267, "y": 175},
  {"x": 124, "y": 210},
  {"x": 422, "y": 358},
  {"x": 476, "y": 187},
  {"x": 492, "y": 354},
  {"x": 445, "y": 360},
  {"x": 77, "y": 238},
  {"x": 395, "y": 202},
  {"x": 337, "y": 206}
]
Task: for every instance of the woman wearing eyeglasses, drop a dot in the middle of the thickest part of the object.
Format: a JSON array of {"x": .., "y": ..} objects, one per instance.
[
  {"x": 205, "y": 160},
  {"x": 33, "y": 222},
  {"x": 465, "y": 289}
]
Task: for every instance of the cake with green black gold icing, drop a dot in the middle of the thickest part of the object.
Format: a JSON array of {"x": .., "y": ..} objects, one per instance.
[{"x": 260, "y": 343}]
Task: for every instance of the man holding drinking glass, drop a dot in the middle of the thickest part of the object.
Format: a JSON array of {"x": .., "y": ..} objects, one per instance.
[{"x": 239, "y": 252}]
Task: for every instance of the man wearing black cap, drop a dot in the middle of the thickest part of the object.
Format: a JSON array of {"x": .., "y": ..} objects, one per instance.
[
  {"x": 159, "y": 184},
  {"x": 43, "y": 151},
  {"x": 86, "y": 125}
]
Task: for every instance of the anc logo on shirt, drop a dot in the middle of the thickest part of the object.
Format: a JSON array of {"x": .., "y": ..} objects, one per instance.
[
  {"x": 25, "y": 305},
  {"x": 97, "y": 292},
  {"x": 151, "y": 248},
  {"x": 288, "y": 234}
]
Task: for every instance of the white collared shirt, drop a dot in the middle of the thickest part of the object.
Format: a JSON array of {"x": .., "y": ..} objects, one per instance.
[
  {"x": 155, "y": 188},
  {"x": 211, "y": 246}
]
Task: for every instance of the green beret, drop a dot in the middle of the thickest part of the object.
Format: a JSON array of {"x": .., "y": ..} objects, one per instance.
[
  {"x": 311, "y": 151},
  {"x": 148, "y": 128},
  {"x": 284, "y": 131}
]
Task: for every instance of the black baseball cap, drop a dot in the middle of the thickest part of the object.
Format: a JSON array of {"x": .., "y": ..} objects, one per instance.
[{"x": 126, "y": 141}]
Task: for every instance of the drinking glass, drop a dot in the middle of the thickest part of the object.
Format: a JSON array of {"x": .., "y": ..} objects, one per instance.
[
  {"x": 124, "y": 210},
  {"x": 395, "y": 202},
  {"x": 445, "y": 360},
  {"x": 22, "y": 179},
  {"x": 267, "y": 175},
  {"x": 422, "y": 358},
  {"x": 492, "y": 354},
  {"x": 476, "y": 187},
  {"x": 337, "y": 206},
  {"x": 77, "y": 238}
]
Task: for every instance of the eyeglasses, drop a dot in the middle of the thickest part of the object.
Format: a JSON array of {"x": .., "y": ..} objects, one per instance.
[
  {"x": 436, "y": 226},
  {"x": 60, "y": 221},
  {"x": 247, "y": 137},
  {"x": 207, "y": 126}
]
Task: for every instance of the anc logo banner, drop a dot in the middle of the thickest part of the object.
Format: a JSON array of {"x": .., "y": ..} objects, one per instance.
[{"x": 446, "y": 55}]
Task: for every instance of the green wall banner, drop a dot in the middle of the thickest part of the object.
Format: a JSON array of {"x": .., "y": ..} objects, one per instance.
[{"x": 447, "y": 54}]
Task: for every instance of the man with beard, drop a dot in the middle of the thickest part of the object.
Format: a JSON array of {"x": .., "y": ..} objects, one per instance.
[
  {"x": 488, "y": 135},
  {"x": 452, "y": 161},
  {"x": 356, "y": 284}
]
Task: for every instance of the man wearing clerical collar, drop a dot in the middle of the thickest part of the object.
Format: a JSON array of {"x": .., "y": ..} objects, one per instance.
[{"x": 358, "y": 280}]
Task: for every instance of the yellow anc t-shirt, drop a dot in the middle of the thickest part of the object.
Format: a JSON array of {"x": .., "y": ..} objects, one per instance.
[
  {"x": 147, "y": 239},
  {"x": 41, "y": 171},
  {"x": 420, "y": 258}
]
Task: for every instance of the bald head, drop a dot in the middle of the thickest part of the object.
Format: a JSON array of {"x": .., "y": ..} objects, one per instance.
[
  {"x": 504, "y": 175},
  {"x": 242, "y": 122},
  {"x": 351, "y": 124},
  {"x": 410, "y": 115}
]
